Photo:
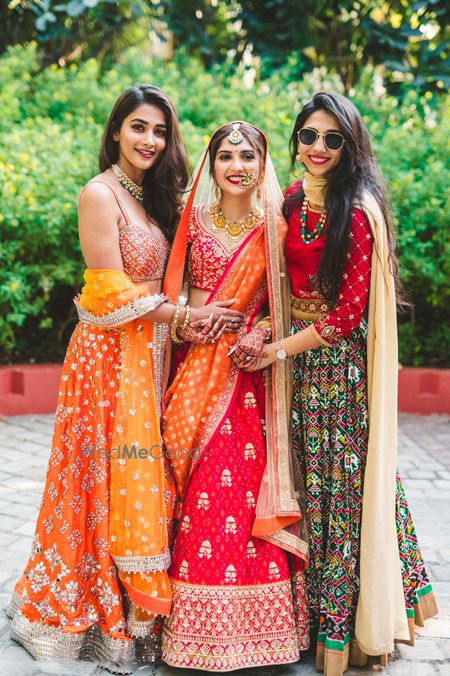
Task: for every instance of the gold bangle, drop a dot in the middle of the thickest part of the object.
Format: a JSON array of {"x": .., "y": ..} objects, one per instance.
[
  {"x": 174, "y": 324},
  {"x": 186, "y": 318},
  {"x": 267, "y": 324}
]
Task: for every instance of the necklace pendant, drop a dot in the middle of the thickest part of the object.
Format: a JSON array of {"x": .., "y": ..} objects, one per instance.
[
  {"x": 235, "y": 229},
  {"x": 220, "y": 221}
]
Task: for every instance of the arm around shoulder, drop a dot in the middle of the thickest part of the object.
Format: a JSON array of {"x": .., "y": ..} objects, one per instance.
[{"x": 98, "y": 221}]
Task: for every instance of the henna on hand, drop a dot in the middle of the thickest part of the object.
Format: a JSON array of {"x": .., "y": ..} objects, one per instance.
[
  {"x": 249, "y": 347},
  {"x": 205, "y": 331}
]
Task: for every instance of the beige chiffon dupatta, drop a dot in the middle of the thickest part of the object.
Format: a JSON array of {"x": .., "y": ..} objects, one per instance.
[{"x": 381, "y": 617}]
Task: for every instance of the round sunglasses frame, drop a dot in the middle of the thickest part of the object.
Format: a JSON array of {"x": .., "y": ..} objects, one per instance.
[{"x": 318, "y": 134}]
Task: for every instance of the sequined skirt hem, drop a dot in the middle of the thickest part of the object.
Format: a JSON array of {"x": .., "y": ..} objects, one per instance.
[{"x": 46, "y": 642}]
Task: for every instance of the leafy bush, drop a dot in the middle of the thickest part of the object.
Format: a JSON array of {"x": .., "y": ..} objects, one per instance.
[{"x": 51, "y": 121}]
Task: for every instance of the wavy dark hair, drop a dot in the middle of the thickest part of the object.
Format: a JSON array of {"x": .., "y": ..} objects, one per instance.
[
  {"x": 165, "y": 182},
  {"x": 253, "y": 136},
  {"x": 356, "y": 172}
]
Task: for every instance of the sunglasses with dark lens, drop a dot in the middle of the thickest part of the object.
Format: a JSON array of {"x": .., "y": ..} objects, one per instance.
[{"x": 333, "y": 140}]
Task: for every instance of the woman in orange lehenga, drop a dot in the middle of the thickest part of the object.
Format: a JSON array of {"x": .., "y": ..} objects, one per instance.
[
  {"x": 236, "y": 601},
  {"x": 97, "y": 576}
]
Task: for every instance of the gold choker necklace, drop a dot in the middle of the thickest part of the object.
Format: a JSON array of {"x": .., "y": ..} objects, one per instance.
[
  {"x": 233, "y": 228},
  {"x": 125, "y": 181}
]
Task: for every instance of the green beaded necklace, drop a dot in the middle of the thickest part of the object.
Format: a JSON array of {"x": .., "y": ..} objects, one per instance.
[{"x": 308, "y": 237}]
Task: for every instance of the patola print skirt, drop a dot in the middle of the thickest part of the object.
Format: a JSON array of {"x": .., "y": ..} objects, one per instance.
[
  {"x": 69, "y": 602},
  {"x": 330, "y": 428},
  {"x": 236, "y": 602}
]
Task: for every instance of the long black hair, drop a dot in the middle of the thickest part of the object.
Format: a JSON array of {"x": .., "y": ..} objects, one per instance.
[
  {"x": 165, "y": 182},
  {"x": 356, "y": 172}
]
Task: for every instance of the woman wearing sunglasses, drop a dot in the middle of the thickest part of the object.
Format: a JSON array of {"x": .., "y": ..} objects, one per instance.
[{"x": 366, "y": 580}]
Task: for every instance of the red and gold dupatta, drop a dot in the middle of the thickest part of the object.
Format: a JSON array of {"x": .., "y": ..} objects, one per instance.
[{"x": 206, "y": 383}]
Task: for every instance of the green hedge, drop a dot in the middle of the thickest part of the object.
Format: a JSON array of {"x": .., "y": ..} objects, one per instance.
[{"x": 51, "y": 121}]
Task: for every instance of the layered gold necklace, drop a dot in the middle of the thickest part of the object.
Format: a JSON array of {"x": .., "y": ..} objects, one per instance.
[
  {"x": 233, "y": 228},
  {"x": 125, "y": 181}
]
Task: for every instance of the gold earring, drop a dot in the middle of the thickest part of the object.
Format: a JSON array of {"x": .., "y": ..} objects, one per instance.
[
  {"x": 217, "y": 191},
  {"x": 259, "y": 192},
  {"x": 298, "y": 157}
]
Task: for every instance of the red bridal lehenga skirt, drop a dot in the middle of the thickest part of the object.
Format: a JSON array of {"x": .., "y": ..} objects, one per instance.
[
  {"x": 330, "y": 434},
  {"x": 236, "y": 603},
  {"x": 69, "y": 602}
]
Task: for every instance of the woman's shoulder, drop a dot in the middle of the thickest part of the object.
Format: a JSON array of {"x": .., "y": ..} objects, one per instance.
[
  {"x": 360, "y": 227},
  {"x": 193, "y": 227},
  {"x": 293, "y": 188},
  {"x": 99, "y": 205},
  {"x": 99, "y": 190},
  {"x": 358, "y": 215}
]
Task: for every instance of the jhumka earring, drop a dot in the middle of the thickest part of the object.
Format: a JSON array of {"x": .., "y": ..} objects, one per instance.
[
  {"x": 259, "y": 190},
  {"x": 217, "y": 191}
]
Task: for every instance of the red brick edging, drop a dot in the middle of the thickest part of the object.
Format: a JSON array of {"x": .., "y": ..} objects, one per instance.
[
  {"x": 33, "y": 388},
  {"x": 29, "y": 388}
]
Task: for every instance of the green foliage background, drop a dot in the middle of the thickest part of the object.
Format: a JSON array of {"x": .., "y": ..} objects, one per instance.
[{"x": 51, "y": 120}]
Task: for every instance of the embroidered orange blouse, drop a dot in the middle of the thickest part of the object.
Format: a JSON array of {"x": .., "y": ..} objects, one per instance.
[
  {"x": 303, "y": 262},
  {"x": 144, "y": 257}
]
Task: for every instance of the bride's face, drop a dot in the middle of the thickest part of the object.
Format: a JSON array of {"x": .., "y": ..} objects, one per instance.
[{"x": 237, "y": 167}]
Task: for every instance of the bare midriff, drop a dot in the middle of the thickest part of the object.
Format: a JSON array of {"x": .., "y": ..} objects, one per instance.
[{"x": 198, "y": 297}]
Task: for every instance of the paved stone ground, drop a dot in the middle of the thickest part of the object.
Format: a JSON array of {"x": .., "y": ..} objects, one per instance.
[{"x": 424, "y": 462}]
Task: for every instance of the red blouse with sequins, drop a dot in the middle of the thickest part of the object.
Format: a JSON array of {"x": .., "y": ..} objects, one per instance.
[
  {"x": 208, "y": 257},
  {"x": 303, "y": 262}
]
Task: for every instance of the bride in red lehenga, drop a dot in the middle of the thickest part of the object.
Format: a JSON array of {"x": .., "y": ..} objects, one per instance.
[{"x": 237, "y": 566}]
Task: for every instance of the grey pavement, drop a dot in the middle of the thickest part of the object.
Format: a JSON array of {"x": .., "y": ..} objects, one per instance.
[{"x": 424, "y": 462}]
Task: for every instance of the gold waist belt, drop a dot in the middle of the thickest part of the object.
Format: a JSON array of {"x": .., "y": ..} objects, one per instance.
[{"x": 309, "y": 309}]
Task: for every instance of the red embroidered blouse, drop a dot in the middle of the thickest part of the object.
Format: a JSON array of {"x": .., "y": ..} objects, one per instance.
[
  {"x": 303, "y": 262},
  {"x": 208, "y": 257}
]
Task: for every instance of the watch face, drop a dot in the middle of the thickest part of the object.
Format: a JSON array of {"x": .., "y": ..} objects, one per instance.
[{"x": 281, "y": 353}]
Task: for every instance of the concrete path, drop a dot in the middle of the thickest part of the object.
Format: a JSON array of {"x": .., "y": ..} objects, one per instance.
[{"x": 424, "y": 462}]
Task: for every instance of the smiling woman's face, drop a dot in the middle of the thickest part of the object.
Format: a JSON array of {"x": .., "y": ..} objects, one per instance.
[
  {"x": 317, "y": 158},
  {"x": 142, "y": 137},
  {"x": 232, "y": 162}
]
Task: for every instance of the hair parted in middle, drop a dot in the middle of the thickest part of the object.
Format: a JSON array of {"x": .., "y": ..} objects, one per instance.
[
  {"x": 252, "y": 135},
  {"x": 356, "y": 172},
  {"x": 165, "y": 182}
]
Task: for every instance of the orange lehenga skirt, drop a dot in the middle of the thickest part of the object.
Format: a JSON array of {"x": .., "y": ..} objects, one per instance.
[{"x": 96, "y": 579}]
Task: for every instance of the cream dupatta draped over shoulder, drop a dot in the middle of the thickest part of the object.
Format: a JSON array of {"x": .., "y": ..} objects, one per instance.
[
  {"x": 381, "y": 613},
  {"x": 381, "y": 617}
]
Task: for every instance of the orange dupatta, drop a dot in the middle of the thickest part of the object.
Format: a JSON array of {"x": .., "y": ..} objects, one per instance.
[
  {"x": 189, "y": 422},
  {"x": 137, "y": 523}
]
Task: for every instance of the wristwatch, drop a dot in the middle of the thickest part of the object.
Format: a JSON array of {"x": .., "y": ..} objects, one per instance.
[{"x": 280, "y": 352}]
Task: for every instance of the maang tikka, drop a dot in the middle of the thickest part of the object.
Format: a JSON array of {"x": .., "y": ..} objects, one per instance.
[{"x": 235, "y": 137}]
